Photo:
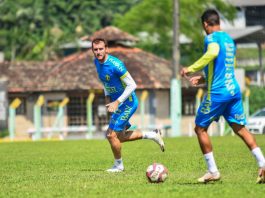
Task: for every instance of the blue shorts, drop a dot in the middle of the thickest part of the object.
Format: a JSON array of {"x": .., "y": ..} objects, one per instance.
[
  {"x": 209, "y": 111},
  {"x": 119, "y": 120}
]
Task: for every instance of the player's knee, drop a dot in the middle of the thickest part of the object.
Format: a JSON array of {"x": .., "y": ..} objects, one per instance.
[
  {"x": 199, "y": 130},
  {"x": 121, "y": 136},
  {"x": 110, "y": 134},
  {"x": 238, "y": 129}
]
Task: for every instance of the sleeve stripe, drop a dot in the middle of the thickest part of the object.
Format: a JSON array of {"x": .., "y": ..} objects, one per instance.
[{"x": 124, "y": 75}]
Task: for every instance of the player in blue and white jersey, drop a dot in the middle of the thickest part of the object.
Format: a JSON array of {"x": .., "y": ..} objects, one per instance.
[
  {"x": 121, "y": 101},
  {"x": 223, "y": 94}
]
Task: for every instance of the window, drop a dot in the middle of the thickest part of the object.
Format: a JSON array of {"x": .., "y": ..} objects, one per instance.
[
  {"x": 77, "y": 113},
  {"x": 189, "y": 107},
  {"x": 255, "y": 15},
  {"x": 53, "y": 105},
  {"x": 76, "y": 110},
  {"x": 189, "y": 101}
]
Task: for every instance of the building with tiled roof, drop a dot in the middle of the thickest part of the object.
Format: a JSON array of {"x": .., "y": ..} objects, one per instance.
[
  {"x": 75, "y": 77},
  {"x": 114, "y": 36}
]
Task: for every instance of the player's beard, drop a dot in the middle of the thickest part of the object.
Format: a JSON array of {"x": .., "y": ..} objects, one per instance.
[{"x": 102, "y": 57}]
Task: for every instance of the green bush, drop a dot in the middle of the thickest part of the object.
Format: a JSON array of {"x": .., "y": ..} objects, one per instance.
[
  {"x": 256, "y": 99},
  {"x": 3, "y": 133}
]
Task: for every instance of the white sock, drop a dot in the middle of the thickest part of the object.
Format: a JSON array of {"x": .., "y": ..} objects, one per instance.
[
  {"x": 210, "y": 162},
  {"x": 259, "y": 157},
  {"x": 118, "y": 162},
  {"x": 149, "y": 135}
]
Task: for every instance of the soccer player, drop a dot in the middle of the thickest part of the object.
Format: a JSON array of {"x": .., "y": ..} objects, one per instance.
[
  {"x": 223, "y": 94},
  {"x": 121, "y": 101}
]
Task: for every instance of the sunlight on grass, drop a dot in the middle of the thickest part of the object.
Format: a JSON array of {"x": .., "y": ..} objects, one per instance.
[{"x": 77, "y": 169}]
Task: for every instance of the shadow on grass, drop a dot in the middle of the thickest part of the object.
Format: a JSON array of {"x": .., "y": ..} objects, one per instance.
[
  {"x": 93, "y": 170},
  {"x": 197, "y": 183}
]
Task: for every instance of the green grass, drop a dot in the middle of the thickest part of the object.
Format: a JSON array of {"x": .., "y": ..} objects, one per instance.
[{"x": 76, "y": 169}]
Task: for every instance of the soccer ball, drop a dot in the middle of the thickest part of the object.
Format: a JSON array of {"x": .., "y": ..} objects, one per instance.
[{"x": 156, "y": 173}]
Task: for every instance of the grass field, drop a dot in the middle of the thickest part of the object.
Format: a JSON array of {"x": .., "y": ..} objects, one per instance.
[{"x": 76, "y": 169}]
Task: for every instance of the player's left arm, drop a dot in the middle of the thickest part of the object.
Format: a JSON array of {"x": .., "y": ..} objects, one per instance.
[{"x": 130, "y": 87}]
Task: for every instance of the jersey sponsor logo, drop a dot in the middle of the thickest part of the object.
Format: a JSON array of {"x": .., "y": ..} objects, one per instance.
[
  {"x": 117, "y": 64},
  {"x": 239, "y": 116},
  {"x": 118, "y": 112},
  {"x": 111, "y": 90},
  {"x": 107, "y": 77},
  {"x": 229, "y": 54},
  {"x": 229, "y": 63},
  {"x": 206, "y": 108},
  {"x": 229, "y": 84},
  {"x": 229, "y": 60},
  {"x": 127, "y": 112},
  {"x": 229, "y": 45}
]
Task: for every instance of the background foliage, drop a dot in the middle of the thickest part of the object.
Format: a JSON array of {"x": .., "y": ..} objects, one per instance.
[
  {"x": 256, "y": 99},
  {"x": 34, "y": 29},
  {"x": 156, "y": 18}
]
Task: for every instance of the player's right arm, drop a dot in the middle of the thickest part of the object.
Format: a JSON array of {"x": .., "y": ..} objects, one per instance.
[{"x": 211, "y": 53}]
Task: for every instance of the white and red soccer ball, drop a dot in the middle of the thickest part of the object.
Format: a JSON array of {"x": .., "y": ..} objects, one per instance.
[{"x": 156, "y": 173}]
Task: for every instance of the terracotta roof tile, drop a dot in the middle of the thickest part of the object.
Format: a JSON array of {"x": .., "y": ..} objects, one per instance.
[
  {"x": 111, "y": 33},
  {"x": 77, "y": 72}
]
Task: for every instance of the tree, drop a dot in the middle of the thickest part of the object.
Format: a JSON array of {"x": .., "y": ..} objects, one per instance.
[
  {"x": 34, "y": 29},
  {"x": 256, "y": 99},
  {"x": 155, "y": 18}
]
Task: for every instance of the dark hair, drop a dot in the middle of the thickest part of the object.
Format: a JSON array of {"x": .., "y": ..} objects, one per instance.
[
  {"x": 97, "y": 40},
  {"x": 211, "y": 17}
]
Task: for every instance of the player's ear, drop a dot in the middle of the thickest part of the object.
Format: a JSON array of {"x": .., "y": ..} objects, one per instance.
[
  {"x": 107, "y": 49},
  {"x": 205, "y": 24}
]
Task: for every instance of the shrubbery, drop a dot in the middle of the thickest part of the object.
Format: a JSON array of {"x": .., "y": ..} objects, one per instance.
[
  {"x": 256, "y": 99},
  {"x": 3, "y": 133}
]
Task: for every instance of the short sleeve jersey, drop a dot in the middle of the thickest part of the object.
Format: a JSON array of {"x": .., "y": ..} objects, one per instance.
[
  {"x": 111, "y": 73},
  {"x": 220, "y": 77}
]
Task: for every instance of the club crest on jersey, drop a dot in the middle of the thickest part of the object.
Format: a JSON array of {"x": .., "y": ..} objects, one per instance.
[{"x": 107, "y": 77}]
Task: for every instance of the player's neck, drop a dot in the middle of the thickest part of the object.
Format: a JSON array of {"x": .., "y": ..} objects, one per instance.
[{"x": 215, "y": 28}]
